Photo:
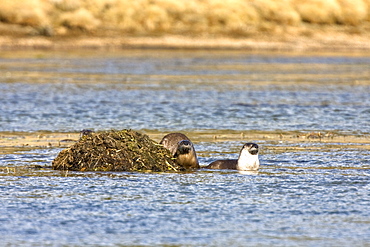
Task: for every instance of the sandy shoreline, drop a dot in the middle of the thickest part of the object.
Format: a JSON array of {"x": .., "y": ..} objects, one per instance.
[
  {"x": 11, "y": 142},
  {"x": 319, "y": 40}
]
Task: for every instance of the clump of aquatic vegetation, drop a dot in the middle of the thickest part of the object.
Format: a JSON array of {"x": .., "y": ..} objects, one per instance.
[{"x": 124, "y": 150}]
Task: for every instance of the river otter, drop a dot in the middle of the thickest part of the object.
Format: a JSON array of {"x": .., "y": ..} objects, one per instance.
[
  {"x": 182, "y": 149},
  {"x": 247, "y": 161}
]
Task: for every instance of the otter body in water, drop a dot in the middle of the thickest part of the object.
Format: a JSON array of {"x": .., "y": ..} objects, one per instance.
[
  {"x": 247, "y": 161},
  {"x": 182, "y": 149}
]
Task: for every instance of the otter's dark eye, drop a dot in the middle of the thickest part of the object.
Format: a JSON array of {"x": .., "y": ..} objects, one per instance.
[{"x": 250, "y": 145}]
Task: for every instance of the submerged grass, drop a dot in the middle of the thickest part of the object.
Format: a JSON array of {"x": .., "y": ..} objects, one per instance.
[
  {"x": 124, "y": 150},
  {"x": 155, "y": 17}
]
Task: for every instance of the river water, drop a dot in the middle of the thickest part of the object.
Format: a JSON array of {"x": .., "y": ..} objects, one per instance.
[{"x": 308, "y": 193}]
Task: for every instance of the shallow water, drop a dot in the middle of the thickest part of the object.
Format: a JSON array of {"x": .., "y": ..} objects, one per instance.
[
  {"x": 305, "y": 194},
  {"x": 169, "y": 90}
]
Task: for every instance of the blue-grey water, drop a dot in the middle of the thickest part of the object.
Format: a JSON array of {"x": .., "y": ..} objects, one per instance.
[
  {"x": 184, "y": 91},
  {"x": 306, "y": 193}
]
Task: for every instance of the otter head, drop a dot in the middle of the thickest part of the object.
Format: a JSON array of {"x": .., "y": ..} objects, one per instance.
[
  {"x": 184, "y": 147},
  {"x": 252, "y": 148},
  {"x": 248, "y": 158},
  {"x": 185, "y": 155}
]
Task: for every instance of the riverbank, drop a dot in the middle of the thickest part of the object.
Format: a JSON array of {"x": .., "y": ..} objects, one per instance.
[{"x": 258, "y": 25}]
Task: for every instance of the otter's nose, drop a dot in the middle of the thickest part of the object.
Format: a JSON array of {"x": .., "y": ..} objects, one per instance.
[
  {"x": 253, "y": 150},
  {"x": 184, "y": 146},
  {"x": 251, "y": 147}
]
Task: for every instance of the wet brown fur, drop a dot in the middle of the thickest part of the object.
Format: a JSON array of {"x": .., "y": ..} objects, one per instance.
[
  {"x": 223, "y": 164},
  {"x": 187, "y": 160}
]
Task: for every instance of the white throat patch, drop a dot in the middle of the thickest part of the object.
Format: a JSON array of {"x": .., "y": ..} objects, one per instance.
[{"x": 247, "y": 161}]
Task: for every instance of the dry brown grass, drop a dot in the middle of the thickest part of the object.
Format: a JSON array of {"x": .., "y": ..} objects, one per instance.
[
  {"x": 353, "y": 12},
  {"x": 318, "y": 11},
  {"x": 28, "y": 12},
  {"x": 281, "y": 12},
  {"x": 79, "y": 18},
  {"x": 367, "y": 2},
  {"x": 191, "y": 17}
]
